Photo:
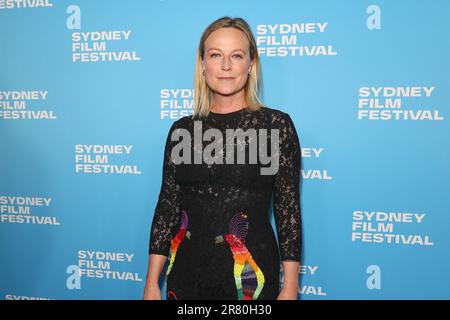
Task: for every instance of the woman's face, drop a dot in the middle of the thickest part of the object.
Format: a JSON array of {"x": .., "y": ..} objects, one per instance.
[{"x": 226, "y": 61}]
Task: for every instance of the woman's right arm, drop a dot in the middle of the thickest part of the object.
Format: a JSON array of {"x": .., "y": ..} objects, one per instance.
[
  {"x": 155, "y": 265},
  {"x": 165, "y": 219}
]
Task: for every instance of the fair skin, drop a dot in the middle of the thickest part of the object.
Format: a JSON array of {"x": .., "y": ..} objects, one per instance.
[
  {"x": 226, "y": 64},
  {"x": 290, "y": 283},
  {"x": 155, "y": 265}
]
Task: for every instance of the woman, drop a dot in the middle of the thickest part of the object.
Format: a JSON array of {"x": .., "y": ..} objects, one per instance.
[{"x": 212, "y": 217}]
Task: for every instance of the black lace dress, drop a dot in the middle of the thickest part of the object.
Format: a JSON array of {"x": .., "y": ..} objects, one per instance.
[{"x": 212, "y": 220}]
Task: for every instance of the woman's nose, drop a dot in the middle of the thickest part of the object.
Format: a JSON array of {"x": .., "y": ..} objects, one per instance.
[{"x": 226, "y": 64}]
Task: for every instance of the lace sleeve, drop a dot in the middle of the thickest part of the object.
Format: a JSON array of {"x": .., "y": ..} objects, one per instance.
[
  {"x": 167, "y": 209},
  {"x": 286, "y": 192}
]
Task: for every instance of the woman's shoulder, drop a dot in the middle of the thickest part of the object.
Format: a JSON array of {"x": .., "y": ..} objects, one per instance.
[
  {"x": 270, "y": 114},
  {"x": 276, "y": 116},
  {"x": 181, "y": 123},
  {"x": 273, "y": 111}
]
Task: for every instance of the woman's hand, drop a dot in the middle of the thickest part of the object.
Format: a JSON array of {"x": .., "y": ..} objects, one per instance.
[
  {"x": 288, "y": 293},
  {"x": 152, "y": 292}
]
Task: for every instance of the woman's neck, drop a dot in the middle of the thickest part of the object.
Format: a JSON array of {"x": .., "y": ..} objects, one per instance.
[{"x": 223, "y": 104}]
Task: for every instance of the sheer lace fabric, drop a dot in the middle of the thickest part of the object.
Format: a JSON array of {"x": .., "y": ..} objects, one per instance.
[{"x": 213, "y": 219}]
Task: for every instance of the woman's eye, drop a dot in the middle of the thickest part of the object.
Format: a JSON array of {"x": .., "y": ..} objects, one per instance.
[{"x": 236, "y": 55}]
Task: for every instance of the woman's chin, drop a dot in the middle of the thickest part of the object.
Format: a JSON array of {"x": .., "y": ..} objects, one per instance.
[{"x": 226, "y": 91}]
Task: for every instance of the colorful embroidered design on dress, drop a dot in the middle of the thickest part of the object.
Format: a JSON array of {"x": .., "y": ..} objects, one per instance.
[
  {"x": 171, "y": 295},
  {"x": 176, "y": 241},
  {"x": 248, "y": 276}
]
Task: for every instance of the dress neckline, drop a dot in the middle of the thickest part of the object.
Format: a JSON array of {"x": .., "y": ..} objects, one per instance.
[{"x": 215, "y": 114}]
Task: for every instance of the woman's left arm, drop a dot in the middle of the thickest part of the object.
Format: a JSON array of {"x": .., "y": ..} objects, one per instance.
[{"x": 287, "y": 206}]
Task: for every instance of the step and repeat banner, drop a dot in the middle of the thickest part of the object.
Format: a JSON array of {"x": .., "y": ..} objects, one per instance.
[{"x": 89, "y": 90}]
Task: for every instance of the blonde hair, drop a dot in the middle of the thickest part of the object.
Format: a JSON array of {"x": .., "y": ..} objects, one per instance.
[{"x": 203, "y": 94}]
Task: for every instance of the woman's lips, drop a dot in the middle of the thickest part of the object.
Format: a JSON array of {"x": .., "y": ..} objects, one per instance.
[{"x": 226, "y": 78}]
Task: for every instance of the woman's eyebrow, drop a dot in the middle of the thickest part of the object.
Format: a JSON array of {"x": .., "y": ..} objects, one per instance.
[{"x": 231, "y": 51}]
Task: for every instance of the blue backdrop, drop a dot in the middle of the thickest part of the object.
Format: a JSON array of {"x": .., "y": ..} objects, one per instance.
[{"x": 89, "y": 89}]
